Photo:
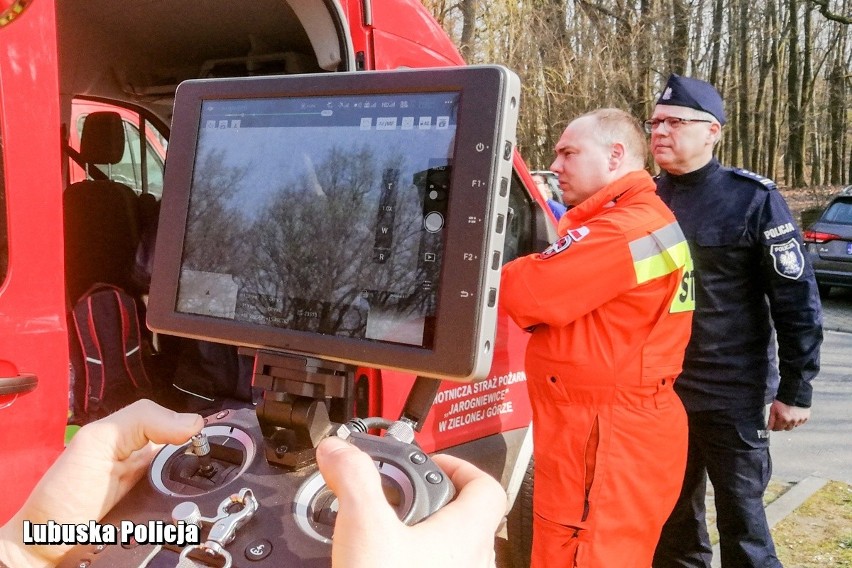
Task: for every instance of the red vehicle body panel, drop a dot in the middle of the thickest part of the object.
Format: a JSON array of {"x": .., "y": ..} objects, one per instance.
[
  {"x": 32, "y": 303},
  {"x": 465, "y": 411}
]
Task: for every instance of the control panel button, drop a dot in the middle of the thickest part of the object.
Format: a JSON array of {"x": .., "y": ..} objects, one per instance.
[
  {"x": 492, "y": 297},
  {"x": 495, "y": 260},
  {"x": 434, "y": 477},
  {"x": 433, "y": 222},
  {"x": 504, "y": 187},
  {"x": 436, "y": 195},
  {"x": 417, "y": 458},
  {"x": 258, "y": 549},
  {"x": 501, "y": 220},
  {"x": 507, "y": 151},
  {"x": 188, "y": 512}
]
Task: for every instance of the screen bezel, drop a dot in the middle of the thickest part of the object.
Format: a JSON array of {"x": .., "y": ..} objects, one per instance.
[{"x": 463, "y": 336}]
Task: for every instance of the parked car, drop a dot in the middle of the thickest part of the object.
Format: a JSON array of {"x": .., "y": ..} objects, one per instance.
[{"x": 829, "y": 243}]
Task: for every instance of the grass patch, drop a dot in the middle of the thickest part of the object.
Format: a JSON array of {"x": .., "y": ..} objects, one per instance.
[
  {"x": 819, "y": 533},
  {"x": 69, "y": 433}
]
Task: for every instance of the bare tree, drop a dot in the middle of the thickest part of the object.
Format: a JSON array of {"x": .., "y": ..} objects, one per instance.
[
  {"x": 826, "y": 11},
  {"x": 783, "y": 72},
  {"x": 743, "y": 86},
  {"x": 837, "y": 97},
  {"x": 323, "y": 262},
  {"x": 468, "y": 10},
  {"x": 214, "y": 226}
]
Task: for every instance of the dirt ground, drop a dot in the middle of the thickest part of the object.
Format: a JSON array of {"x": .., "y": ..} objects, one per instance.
[{"x": 805, "y": 198}]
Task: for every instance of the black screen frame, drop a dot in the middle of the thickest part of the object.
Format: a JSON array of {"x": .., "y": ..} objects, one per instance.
[{"x": 466, "y": 313}]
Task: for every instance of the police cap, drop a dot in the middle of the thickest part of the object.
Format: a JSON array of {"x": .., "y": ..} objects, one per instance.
[{"x": 693, "y": 93}]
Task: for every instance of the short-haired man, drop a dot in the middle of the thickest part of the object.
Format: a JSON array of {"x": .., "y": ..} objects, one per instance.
[
  {"x": 607, "y": 343},
  {"x": 750, "y": 273}
]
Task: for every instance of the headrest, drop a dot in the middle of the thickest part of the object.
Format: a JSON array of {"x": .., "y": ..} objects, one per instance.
[{"x": 102, "y": 140}]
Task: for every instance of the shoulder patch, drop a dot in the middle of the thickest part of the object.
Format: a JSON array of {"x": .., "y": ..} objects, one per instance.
[
  {"x": 764, "y": 181},
  {"x": 561, "y": 244},
  {"x": 787, "y": 259},
  {"x": 555, "y": 248}
]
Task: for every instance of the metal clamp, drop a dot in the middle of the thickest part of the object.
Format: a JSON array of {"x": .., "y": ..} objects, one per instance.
[{"x": 225, "y": 526}]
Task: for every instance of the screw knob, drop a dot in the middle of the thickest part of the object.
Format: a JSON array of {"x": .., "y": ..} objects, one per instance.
[{"x": 187, "y": 512}]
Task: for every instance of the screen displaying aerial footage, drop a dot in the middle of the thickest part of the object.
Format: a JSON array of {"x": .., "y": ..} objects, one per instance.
[{"x": 321, "y": 214}]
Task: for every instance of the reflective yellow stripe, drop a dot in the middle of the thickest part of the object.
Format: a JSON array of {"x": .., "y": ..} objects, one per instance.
[
  {"x": 656, "y": 242},
  {"x": 662, "y": 252},
  {"x": 666, "y": 261}
]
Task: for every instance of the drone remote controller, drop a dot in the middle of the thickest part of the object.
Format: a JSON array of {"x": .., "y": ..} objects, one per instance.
[{"x": 216, "y": 501}]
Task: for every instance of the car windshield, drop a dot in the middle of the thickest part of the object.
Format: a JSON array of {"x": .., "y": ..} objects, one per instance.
[{"x": 839, "y": 212}]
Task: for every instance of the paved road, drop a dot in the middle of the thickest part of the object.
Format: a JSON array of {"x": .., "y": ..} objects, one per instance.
[
  {"x": 837, "y": 311},
  {"x": 823, "y": 447}
]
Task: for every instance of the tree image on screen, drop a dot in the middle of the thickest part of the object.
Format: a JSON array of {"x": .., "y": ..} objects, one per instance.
[
  {"x": 331, "y": 242},
  {"x": 213, "y": 226}
]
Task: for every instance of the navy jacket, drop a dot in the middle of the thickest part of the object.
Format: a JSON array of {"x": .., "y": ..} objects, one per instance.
[{"x": 750, "y": 273}]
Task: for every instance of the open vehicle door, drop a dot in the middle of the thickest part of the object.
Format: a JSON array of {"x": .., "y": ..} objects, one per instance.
[{"x": 33, "y": 341}]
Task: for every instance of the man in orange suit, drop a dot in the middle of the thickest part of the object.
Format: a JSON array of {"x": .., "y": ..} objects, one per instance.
[{"x": 608, "y": 339}]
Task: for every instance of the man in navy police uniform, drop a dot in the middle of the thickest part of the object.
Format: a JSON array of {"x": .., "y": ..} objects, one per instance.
[{"x": 749, "y": 276}]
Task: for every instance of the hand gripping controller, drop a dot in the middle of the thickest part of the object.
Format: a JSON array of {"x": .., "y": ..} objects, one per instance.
[{"x": 249, "y": 513}]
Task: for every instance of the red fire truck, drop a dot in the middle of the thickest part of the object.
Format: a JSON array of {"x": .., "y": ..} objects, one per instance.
[{"x": 130, "y": 56}]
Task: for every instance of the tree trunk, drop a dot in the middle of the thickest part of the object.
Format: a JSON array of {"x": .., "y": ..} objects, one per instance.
[
  {"x": 743, "y": 84},
  {"x": 468, "y": 10},
  {"x": 836, "y": 119},
  {"x": 716, "y": 38},
  {"x": 776, "y": 41},
  {"x": 766, "y": 61},
  {"x": 804, "y": 103},
  {"x": 816, "y": 158},
  {"x": 680, "y": 37},
  {"x": 796, "y": 174}
]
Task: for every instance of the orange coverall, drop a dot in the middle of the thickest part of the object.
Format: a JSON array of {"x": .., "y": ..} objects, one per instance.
[{"x": 610, "y": 308}]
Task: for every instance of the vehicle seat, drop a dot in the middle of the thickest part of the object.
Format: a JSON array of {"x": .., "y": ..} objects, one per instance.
[{"x": 101, "y": 216}]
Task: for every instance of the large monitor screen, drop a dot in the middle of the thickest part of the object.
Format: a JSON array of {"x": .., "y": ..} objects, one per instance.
[{"x": 343, "y": 216}]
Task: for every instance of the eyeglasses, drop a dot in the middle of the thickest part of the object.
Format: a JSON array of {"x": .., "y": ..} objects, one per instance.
[{"x": 672, "y": 122}]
